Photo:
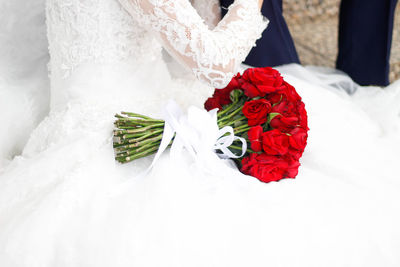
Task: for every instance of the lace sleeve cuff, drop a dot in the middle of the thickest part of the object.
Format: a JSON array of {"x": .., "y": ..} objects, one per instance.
[{"x": 213, "y": 56}]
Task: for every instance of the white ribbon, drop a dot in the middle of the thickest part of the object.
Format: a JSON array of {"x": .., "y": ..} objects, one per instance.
[{"x": 198, "y": 133}]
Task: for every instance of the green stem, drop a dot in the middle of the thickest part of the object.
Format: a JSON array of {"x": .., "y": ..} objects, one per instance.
[
  {"x": 240, "y": 120},
  {"x": 145, "y": 129},
  {"x": 227, "y": 109},
  {"x": 149, "y": 145},
  {"x": 240, "y": 149},
  {"x": 237, "y": 133},
  {"x": 147, "y": 133},
  {"x": 146, "y": 153},
  {"x": 136, "y": 115},
  {"x": 229, "y": 116},
  {"x": 124, "y": 127},
  {"x": 146, "y": 141},
  {"x": 140, "y": 122},
  {"x": 143, "y": 154},
  {"x": 243, "y": 126}
]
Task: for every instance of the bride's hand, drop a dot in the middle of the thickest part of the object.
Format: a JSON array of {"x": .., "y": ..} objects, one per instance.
[{"x": 260, "y": 2}]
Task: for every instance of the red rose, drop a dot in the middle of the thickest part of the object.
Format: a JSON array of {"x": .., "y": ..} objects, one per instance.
[
  {"x": 294, "y": 153},
  {"x": 212, "y": 103},
  {"x": 302, "y": 113},
  {"x": 256, "y": 111},
  {"x": 291, "y": 93},
  {"x": 265, "y": 80},
  {"x": 284, "y": 124},
  {"x": 234, "y": 83},
  {"x": 265, "y": 76},
  {"x": 280, "y": 107},
  {"x": 275, "y": 142},
  {"x": 298, "y": 139},
  {"x": 292, "y": 115},
  {"x": 293, "y": 167},
  {"x": 264, "y": 167},
  {"x": 275, "y": 98},
  {"x": 224, "y": 95},
  {"x": 250, "y": 90},
  {"x": 285, "y": 107},
  {"x": 254, "y": 135}
]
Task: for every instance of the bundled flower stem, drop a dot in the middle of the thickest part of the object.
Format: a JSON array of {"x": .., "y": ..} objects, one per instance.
[{"x": 137, "y": 136}]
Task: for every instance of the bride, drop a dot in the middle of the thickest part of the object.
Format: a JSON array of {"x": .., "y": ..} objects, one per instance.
[{"x": 64, "y": 201}]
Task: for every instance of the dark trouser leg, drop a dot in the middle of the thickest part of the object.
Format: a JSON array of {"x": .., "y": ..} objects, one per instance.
[
  {"x": 365, "y": 38},
  {"x": 276, "y": 47}
]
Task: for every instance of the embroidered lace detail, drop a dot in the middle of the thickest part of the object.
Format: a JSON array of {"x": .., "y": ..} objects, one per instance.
[
  {"x": 214, "y": 55},
  {"x": 98, "y": 31}
]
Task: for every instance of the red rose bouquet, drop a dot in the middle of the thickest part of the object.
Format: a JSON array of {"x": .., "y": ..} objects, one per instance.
[
  {"x": 260, "y": 107},
  {"x": 270, "y": 115}
]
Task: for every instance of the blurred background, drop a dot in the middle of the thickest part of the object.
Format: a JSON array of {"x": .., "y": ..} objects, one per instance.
[{"x": 314, "y": 27}]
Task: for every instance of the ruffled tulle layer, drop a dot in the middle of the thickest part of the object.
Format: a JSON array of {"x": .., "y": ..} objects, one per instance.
[{"x": 66, "y": 202}]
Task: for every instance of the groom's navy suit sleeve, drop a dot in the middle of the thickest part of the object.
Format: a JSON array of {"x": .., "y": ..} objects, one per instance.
[
  {"x": 365, "y": 38},
  {"x": 276, "y": 46}
]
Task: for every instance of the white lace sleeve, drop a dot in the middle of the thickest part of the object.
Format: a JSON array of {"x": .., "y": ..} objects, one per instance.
[
  {"x": 209, "y": 10},
  {"x": 212, "y": 55}
]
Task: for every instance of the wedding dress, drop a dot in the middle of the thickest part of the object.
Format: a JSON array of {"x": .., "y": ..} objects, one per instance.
[{"x": 64, "y": 201}]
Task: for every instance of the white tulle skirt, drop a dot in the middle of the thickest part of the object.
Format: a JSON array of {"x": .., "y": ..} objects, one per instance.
[{"x": 66, "y": 202}]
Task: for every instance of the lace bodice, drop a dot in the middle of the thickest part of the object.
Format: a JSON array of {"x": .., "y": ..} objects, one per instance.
[
  {"x": 103, "y": 31},
  {"x": 99, "y": 31}
]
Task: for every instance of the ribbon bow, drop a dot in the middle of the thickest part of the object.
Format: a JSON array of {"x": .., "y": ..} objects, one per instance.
[{"x": 198, "y": 133}]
